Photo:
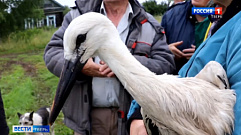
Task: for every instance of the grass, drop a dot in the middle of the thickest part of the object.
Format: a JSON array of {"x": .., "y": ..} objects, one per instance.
[
  {"x": 17, "y": 93},
  {"x": 26, "y": 41},
  {"x": 25, "y": 82},
  {"x": 158, "y": 18}
]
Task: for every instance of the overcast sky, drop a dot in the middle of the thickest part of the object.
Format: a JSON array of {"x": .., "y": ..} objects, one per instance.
[{"x": 71, "y": 3}]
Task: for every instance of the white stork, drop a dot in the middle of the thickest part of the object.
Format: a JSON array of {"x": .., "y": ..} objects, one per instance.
[{"x": 184, "y": 106}]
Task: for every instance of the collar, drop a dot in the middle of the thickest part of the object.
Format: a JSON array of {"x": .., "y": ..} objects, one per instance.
[
  {"x": 129, "y": 9},
  {"x": 190, "y": 16}
]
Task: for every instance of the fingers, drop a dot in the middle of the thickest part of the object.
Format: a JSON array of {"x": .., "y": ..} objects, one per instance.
[
  {"x": 189, "y": 50},
  {"x": 176, "y": 43},
  {"x": 111, "y": 74},
  {"x": 185, "y": 53},
  {"x": 188, "y": 55},
  {"x": 97, "y": 70},
  {"x": 177, "y": 53},
  {"x": 173, "y": 48},
  {"x": 92, "y": 69},
  {"x": 193, "y": 46},
  {"x": 102, "y": 62},
  {"x": 105, "y": 70}
]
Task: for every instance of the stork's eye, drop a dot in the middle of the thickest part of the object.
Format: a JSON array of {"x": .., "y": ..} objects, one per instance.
[
  {"x": 20, "y": 123},
  {"x": 80, "y": 39}
]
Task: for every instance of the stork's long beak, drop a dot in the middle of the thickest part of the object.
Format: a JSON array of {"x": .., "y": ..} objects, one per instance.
[
  {"x": 66, "y": 83},
  {"x": 67, "y": 79}
]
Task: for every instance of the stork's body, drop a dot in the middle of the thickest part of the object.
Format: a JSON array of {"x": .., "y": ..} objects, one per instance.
[{"x": 185, "y": 106}]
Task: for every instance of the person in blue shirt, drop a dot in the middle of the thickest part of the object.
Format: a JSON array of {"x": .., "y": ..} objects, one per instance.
[{"x": 223, "y": 46}]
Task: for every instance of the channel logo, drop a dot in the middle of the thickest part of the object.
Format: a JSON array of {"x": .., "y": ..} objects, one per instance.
[
  {"x": 207, "y": 11},
  {"x": 31, "y": 129}
]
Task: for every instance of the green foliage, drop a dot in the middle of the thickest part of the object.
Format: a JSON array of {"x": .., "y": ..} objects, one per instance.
[
  {"x": 66, "y": 10},
  {"x": 2, "y": 18},
  {"x": 13, "y": 13},
  {"x": 2, "y": 12},
  {"x": 26, "y": 41},
  {"x": 153, "y": 8}
]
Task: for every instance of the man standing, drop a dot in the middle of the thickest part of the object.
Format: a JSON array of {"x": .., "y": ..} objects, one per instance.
[{"x": 98, "y": 103}]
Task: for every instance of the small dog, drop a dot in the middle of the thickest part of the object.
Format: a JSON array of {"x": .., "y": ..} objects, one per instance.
[{"x": 41, "y": 117}]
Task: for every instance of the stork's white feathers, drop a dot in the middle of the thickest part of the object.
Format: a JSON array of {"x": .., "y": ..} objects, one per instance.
[{"x": 185, "y": 106}]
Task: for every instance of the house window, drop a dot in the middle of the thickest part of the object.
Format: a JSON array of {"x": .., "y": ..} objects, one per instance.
[{"x": 51, "y": 21}]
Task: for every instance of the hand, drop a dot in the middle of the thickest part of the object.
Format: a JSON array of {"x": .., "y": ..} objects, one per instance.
[
  {"x": 92, "y": 69},
  {"x": 173, "y": 48},
  {"x": 105, "y": 70},
  {"x": 137, "y": 128},
  {"x": 189, "y": 52}
]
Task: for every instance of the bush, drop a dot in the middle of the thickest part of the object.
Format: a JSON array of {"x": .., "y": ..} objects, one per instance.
[
  {"x": 153, "y": 8},
  {"x": 26, "y": 41}
]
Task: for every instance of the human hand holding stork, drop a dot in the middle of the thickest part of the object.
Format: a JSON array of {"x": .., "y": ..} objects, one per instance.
[
  {"x": 105, "y": 70},
  {"x": 92, "y": 69},
  {"x": 137, "y": 128},
  {"x": 97, "y": 70}
]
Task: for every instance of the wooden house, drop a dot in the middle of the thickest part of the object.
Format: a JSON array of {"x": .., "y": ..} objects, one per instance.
[{"x": 53, "y": 12}]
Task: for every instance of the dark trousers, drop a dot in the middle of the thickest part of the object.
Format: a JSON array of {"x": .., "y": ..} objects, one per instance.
[
  {"x": 3, "y": 124},
  {"x": 104, "y": 121}
]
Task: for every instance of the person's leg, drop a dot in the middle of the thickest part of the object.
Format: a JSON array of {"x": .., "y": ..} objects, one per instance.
[
  {"x": 3, "y": 124},
  {"x": 104, "y": 121}
]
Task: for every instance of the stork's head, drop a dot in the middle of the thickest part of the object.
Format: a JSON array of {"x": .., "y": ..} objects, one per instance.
[
  {"x": 82, "y": 39},
  {"x": 85, "y": 34}
]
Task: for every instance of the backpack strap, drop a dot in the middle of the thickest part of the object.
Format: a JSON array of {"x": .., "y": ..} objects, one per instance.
[{"x": 125, "y": 100}]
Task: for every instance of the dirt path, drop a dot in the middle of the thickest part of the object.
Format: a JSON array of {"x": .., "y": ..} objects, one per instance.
[
  {"x": 29, "y": 69},
  {"x": 42, "y": 92}
]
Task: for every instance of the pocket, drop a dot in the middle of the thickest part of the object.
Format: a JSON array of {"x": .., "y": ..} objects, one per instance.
[
  {"x": 141, "y": 49},
  {"x": 77, "y": 107},
  {"x": 105, "y": 92}
]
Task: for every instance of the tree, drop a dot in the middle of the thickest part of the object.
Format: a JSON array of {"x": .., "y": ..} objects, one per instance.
[
  {"x": 66, "y": 10},
  {"x": 3, "y": 6},
  {"x": 13, "y": 13},
  {"x": 153, "y": 8}
]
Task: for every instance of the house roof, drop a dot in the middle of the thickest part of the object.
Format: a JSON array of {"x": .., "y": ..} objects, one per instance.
[{"x": 52, "y": 6}]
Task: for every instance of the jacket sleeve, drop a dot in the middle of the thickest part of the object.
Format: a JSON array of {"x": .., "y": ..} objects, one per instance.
[
  {"x": 233, "y": 70},
  {"x": 161, "y": 59},
  {"x": 54, "y": 51},
  {"x": 163, "y": 23}
]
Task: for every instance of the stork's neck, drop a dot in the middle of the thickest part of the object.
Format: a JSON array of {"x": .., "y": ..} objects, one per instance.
[{"x": 124, "y": 64}]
